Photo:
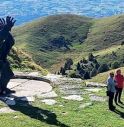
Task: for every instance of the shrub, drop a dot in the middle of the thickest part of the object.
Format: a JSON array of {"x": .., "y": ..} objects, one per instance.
[
  {"x": 95, "y": 61},
  {"x": 81, "y": 71},
  {"x": 93, "y": 72},
  {"x": 85, "y": 61},
  {"x": 103, "y": 68},
  {"x": 62, "y": 71},
  {"x": 91, "y": 57},
  {"x": 97, "y": 66},
  {"x": 115, "y": 65},
  {"x": 68, "y": 64},
  {"x": 86, "y": 75},
  {"x": 78, "y": 66},
  {"x": 122, "y": 43}
]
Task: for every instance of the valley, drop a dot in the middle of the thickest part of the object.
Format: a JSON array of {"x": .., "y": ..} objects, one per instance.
[{"x": 76, "y": 37}]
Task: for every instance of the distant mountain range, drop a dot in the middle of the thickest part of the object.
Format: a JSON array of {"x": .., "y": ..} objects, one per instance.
[{"x": 27, "y": 10}]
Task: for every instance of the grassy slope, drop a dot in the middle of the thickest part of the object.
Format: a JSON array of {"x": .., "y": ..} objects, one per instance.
[
  {"x": 94, "y": 116},
  {"x": 31, "y": 37},
  {"x": 23, "y": 62},
  {"x": 106, "y": 32},
  {"x": 102, "y": 77},
  {"x": 104, "y": 36},
  {"x": 69, "y": 114}
]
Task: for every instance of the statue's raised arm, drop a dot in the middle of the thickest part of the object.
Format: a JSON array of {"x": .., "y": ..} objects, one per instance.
[{"x": 6, "y": 26}]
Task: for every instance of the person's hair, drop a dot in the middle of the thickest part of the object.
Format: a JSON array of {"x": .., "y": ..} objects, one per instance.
[
  {"x": 111, "y": 73},
  {"x": 118, "y": 71}
]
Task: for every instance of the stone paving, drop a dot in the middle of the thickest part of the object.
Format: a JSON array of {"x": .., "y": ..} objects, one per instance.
[
  {"x": 73, "y": 97},
  {"x": 71, "y": 89},
  {"x": 29, "y": 87},
  {"x": 93, "y": 89},
  {"x": 97, "y": 98},
  {"x": 51, "y": 94},
  {"x": 95, "y": 84},
  {"x": 26, "y": 90},
  {"x": 49, "y": 101}
]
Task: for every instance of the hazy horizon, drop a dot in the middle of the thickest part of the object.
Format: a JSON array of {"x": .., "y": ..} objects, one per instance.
[{"x": 27, "y": 10}]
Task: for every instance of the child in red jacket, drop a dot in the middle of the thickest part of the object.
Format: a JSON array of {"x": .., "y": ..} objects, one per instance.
[{"x": 119, "y": 78}]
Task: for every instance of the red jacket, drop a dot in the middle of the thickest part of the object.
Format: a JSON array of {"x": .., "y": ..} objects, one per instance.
[{"x": 120, "y": 80}]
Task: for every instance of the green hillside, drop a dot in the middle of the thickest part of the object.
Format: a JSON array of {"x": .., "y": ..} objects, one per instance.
[
  {"x": 102, "y": 77},
  {"x": 36, "y": 37},
  {"x": 52, "y": 39},
  {"x": 23, "y": 62},
  {"x": 106, "y": 32}
]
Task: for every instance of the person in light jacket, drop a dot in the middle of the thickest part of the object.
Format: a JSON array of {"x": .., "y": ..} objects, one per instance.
[{"x": 111, "y": 90}]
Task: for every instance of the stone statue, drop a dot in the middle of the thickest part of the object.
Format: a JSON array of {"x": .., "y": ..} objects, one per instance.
[{"x": 6, "y": 43}]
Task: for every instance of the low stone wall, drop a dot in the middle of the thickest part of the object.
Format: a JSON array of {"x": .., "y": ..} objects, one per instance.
[{"x": 24, "y": 76}]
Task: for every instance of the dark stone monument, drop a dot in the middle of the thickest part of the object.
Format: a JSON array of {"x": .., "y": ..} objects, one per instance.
[{"x": 6, "y": 43}]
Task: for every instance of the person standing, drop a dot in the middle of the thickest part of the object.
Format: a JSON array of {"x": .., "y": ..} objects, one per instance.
[
  {"x": 119, "y": 78},
  {"x": 111, "y": 91}
]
